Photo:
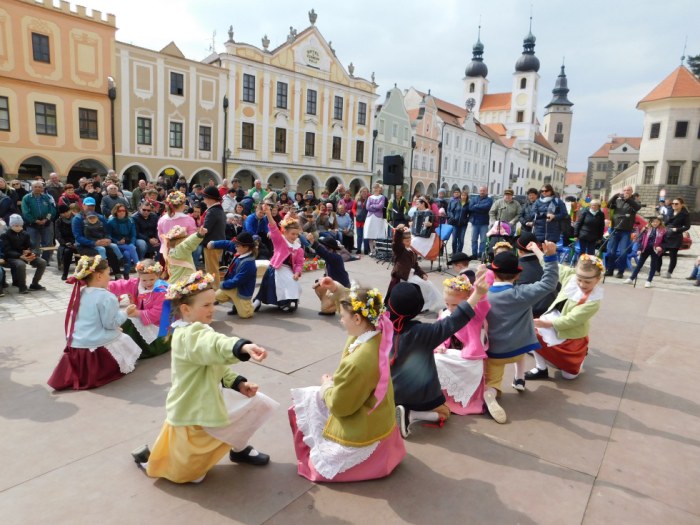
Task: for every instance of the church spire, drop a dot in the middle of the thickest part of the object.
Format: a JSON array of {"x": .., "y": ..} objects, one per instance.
[
  {"x": 560, "y": 91},
  {"x": 476, "y": 67}
]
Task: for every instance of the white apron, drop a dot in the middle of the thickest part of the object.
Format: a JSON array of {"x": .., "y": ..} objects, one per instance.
[
  {"x": 286, "y": 287},
  {"x": 459, "y": 377}
]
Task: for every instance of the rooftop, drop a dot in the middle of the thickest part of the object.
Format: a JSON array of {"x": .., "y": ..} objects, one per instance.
[
  {"x": 679, "y": 84},
  {"x": 495, "y": 102},
  {"x": 604, "y": 150}
]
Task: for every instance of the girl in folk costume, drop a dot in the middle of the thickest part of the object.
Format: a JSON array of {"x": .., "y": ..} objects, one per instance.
[
  {"x": 280, "y": 284},
  {"x": 650, "y": 245},
  {"x": 210, "y": 409},
  {"x": 417, "y": 388},
  {"x": 499, "y": 247},
  {"x": 96, "y": 352},
  {"x": 375, "y": 226},
  {"x": 175, "y": 215},
  {"x": 460, "y": 359},
  {"x": 238, "y": 283},
  {"x": 178, "y": 255},
  {"x": 147, "y": 324},
  {"x": 345, "y": 429},
  {"x": 563, "y": 331}
]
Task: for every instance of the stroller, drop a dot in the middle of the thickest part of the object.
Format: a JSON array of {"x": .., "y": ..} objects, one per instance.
[{"x": 499, "y": 232}]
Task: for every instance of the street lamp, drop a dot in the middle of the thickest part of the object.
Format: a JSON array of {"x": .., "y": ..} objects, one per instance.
[
  {"x": 410, "y": 168},
  {"x": 371, "y": 168},
  {"x": 226, "y": 152},
  {"x": 112, "y": 94}
]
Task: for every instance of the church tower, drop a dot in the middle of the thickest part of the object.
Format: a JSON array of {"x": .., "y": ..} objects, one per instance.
[
  {"x": 475, "y": 83},
  {"x": 558, "y": 117},
  {"x": 522, "y": 119}
]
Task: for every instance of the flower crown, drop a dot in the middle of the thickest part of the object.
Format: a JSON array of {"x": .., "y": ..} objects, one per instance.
[
  {"x": 457, "y": 284},
  {"x": 593, "y": 259},
  {"x": 502, "y": 244},
  {"x": 84, "y": 268},
  {"x": 176, "y": 198},
  {"x": 370, "y": 310},
  {"x": 176, "y": 232},
  {"x": 196, "y": 282},
  {"x": 154, "y": 268},
  {"x": 289, "y": 221}
]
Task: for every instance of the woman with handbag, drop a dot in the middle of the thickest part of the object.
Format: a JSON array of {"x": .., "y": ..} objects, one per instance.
[{"x": 676, "y": 223}]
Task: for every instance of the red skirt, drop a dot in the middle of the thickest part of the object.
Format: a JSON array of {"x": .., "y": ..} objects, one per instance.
[
  {"x": 81, "y": 369},
  {"x": 381, "y": 463},
  {"x": 567, "y": 356}
]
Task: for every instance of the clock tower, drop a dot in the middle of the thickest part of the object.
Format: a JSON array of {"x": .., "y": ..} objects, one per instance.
[
  {"x": 558, "y": 117},
  {"x": 522, "y": 119}
]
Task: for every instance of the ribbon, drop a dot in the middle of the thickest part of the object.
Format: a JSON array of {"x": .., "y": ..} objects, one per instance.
[
  {"x": 73, "y": 305},
  {"x": 165, "y": 318},
  {"x": 387, "y": 330}
]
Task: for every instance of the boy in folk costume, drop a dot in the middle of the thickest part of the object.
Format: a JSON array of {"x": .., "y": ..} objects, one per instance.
[
  {"x": 345, "y": 429},
  {"x": 211, "y": 410},
  {"x": 328, "y": 249},
  {"x": 147, "y": 325},
  {"x": 238, "y": 284},
  {"x": 417, "y": 388},
  {"x": 178, "y": 252}
]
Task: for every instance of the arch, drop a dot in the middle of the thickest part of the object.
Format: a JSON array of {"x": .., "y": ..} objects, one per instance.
[
  {"x": 170, "y": 174},
  {"x": 34, "y": 166},
  {"x": 454, "y": 188},
  {"x": 332, "y": 182},
  {"x": 279, "y": 180},
  {"x": 247, "y": 177},
  {"x": 202, "y": 176},
  {"x": 465, "y": 188},
  {"x": 3, "y": 170},
  {"x": 432, "y": 190},
  {"x": 308, "y": 182},
  {"x": 355, "y": 185},
  {"x": 444, "y": 186},
  {"x": 419, "y": 188},
  {"x": 475, "y": 189},
  {"x": 140, "y": 169},
  {"x": 85, "y": 168}
]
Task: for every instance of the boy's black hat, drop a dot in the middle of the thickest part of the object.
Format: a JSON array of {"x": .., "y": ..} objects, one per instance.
[
  {"x": 244, "y": 239},
  {"x": 405, "y": 300},
  {"x": 329, "y": 242},
  {"x": 460, "y": 257},
  {"x": 212, "y": 193},
  {"x": 525, "y": 239},
  {"x": 505, "y": 262}
]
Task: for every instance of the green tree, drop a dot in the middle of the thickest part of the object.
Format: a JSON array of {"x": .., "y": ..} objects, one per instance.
[{"x": 694, "y": 65}]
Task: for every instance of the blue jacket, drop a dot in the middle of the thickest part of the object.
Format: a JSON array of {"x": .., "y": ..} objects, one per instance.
[
  {"x": 119, "y": 229},
  {"x": 241, "y": 273},
  {"x": 256, "y": 226},
  {"x": 78, "y": 227},
  {"x": 34, "y": 209},
  {"x": 479, "y": 210},
  {"x": 335, "y": 267},
  {"x": 457, "y": 215},
  {"x": 548, "y": 230}
]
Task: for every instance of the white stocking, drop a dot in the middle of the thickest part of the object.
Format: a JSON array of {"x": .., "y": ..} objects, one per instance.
[
  {"x": 418, "y": 415},
  {"x": 540, "y": 362}
]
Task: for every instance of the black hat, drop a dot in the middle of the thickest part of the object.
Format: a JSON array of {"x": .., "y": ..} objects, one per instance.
[
  {"x": 505, "y": 262},
  {"x": 244, "y": 239},
  {"x": 62, "y": 208},
  {"x": 459, "y": 257},
  {"x": 405, "y": 300},
  {"x": 525, "y": 239},
  {"x": 469, "y": 274},
  {"x": 330, "y": 243},
  {"x": 212, "y": 193}
]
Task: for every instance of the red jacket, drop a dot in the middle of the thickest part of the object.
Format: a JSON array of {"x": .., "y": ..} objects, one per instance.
[{"x": 658, "y": 240}]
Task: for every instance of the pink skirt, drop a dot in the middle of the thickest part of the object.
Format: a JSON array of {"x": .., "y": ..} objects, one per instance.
[
  {"x": 381, "y": 463},
  {"x": 474, "y": 406},
  {"x": 81, "y": 369}
]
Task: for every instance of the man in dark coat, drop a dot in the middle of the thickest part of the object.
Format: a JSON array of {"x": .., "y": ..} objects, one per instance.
[
  {"x": 215, "y": 224},
  {"x": 624, "y": 207}
]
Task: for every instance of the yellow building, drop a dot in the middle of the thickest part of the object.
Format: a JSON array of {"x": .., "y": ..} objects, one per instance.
[
  {"x": 54, "y": 102},
  {"x": 297, "y": 118}
]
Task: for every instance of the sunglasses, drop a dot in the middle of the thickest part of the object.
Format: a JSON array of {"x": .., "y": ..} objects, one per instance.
[{"x": 676, "y": 203}]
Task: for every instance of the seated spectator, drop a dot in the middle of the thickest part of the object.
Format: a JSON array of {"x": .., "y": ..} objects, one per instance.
[
  {"x": 91, "y": 235},
  {"x": 63, "y": 232},
  {"x": 229, "y": 201},
  {"x": 345, "y": 226},
  {"x": 146, "y": 223},
  {"x": 234, "y": 225},
  {"x": 17, "y": 253},
  {"x": 69, "y": 196},
  {"x": 122, "y": 231}
]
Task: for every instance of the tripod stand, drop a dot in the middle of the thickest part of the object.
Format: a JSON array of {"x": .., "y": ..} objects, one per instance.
[{"x": 443, "y": 232}]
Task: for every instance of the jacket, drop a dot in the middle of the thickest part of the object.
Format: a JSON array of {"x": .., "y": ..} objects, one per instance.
[
  {"x": 36, "y": 208},
  {"x": 255, "y": 226},
  {"x": 458, "y": 213},
  {"x": 397, "y": 212},
  {"x": 78, "y": 227},
  {"x": 146, "y": 227},
  {"x": 625, "y": 210},
  {"x": 532, "y": 273},
  {"x": 658, "y": 239},
  {"x": 526, "y": 216},
  {"x": 590, "y": 227},
  {"x": 63, "y": 230},
  {"x": 119, "y": 229},
  {"x": 479, "y": 208},
  {"x": 109, "y": 202},
  {"x": 282, "y": 251},
  {"x": 505, "y": 211},
  {"x": 241, "y": 273},
  {"x": 405, "y": 259},
  {"x": 98, "y": 320},
  {"x": 681, "y": 223},
  {"x": 359, "y": 211},
  {"x": 15, "y": 243},
  {"x": 544, "y": 229},
  {"x": 215, "y": 223},
  {"x": 335, "y": 267},
  {"x": 574, "y": 321}
]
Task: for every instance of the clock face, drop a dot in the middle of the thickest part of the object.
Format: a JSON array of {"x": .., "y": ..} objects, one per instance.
[
  {"x": 521, "y": 99},
  {"x": 471, "y": 103}
]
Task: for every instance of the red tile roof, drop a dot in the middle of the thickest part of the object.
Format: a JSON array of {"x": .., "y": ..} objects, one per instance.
[
  {"x": 445, "y": 106},
  {"x": 413, "y": 114},
  {"x": 486, "y": 131},
  {"x": 539, "y": 139},
  {"x": 497, "y": 128},
  {"x": 495, "y": 102},
  {"x": 577, "y": 178},
  {"x": 604, "y": 150},
  {"x": 679, "y": 84}
]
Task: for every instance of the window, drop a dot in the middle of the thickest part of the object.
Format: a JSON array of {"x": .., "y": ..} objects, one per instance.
[
  {"x": 493, "y": 166},
  {"x": 446, "y": 163},
  {"x": 177, "y": 83},
  {"x": 143, "y": 130},
  {"x": 699, "y": 132},
  {"x": 471, "y": 87},
  {"x": 674, "y": 174},
  {"x": 693, "y": 172},
  {"x": 655, "y": 130},
  {"x": 40, "y": 48},
  {"x": 204, "y": 138},
  {"x": 311, "y": 101},
  {"x": 280, "y": 140},
  {"x": 500, "y": 167},
  {"x": 432, "y": 163},
  {"x": 423, "y": 163},
  {"x": 560, "y": 127},
  {"x": 247, "y": 135},
  {"x": 395, "y": 130},
  {"x": 282, "y": 95},
  {"x": 456, "y": 166},
  {"x": 4, "y": 114},
  {"x": 309, "y": 144},
  {"x": 45, "y": 115},
  {"x": 649, "y": 174},
  {"x": 523, "y": 83},
  {"x": 622, "y": 166},
  {"x": 447, "y": 139},
  {"x": 362, "y": 113},
  {"x": 681, "y": 129},
  {"x": 337, "y": 146},
  {"x": 176, "y": 134},
  {"x": 338, "y": 108},
  {"x": 380, "y": 155},
  {"x": 381, "y": 126},
  {"x": 415, "y": 162},
  {"x": 248, "y": 88},
  {"x": 520, "y": 116},
  {"x": 360, "y": 151},
  {"x": 87, "y": 123}
]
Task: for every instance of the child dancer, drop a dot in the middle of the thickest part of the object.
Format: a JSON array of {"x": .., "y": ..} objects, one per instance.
[
  {"x": 563, "y": 331},
  {"x": 210, "y": 409},
  {"x": 239, "y": 281},
  {"x": 96, "y": 352},
  {"x": 345, "y": 429},
  {"x": 280, "y": 284},
  {"x": 146, "y": 325},
  {"x": 178, "y": 252},
  {"x": 650, "y": 245},
  {"x": 413, "y": 371},
  {"x": 328, "y": 249},
  {"x": 460, "y": 359}
]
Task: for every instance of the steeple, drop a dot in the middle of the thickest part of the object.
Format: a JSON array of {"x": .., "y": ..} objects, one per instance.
[
  {"x": 528, "y": 61},
  {"x": 560, "y": 91},
  {"x": 476, "y": 67}
]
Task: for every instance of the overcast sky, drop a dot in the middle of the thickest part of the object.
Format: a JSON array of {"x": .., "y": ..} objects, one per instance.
[{"x": 616, "y": 52}]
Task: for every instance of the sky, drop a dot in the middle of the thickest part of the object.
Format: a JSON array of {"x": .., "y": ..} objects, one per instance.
[{"x": 614, "y": 52}]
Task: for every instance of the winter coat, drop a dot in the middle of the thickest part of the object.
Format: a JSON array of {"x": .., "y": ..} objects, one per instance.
[
  {"x": 119, "y": 229},
  {"x": 479, "y": 210},
  {"x": 64, "y": 231},
  {"x": 590, "y": 227},
  {"x": 15, "y": 243},
  {"x": 543, "y": 229},
  {"x": 681, "y": 223},
  {"x": 458, "y": 213},
  {"x": 625, "y": 210}
]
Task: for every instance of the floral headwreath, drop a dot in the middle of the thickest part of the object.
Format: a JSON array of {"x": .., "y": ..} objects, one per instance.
[
  {"x": 593, "y": 259},
  {"x": 458, "y": 284},
  {"x": 84, "y": 268},
  {"x": 175, "y": 199},
  {"x": 196, "y": 282},
  {"x": 502, "y": 244},
  {"x": 289, "y": 221},
  {"x": 370, "y": 310},
  {"x": 176, "y": 232},
  {"x": 154, "y": 268}
]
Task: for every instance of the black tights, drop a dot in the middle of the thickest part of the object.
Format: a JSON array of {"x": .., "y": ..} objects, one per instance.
[{"x": 673, "y": 258}]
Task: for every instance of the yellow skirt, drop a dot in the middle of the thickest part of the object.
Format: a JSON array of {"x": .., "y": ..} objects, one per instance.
[{"x": 184, "y": 454}]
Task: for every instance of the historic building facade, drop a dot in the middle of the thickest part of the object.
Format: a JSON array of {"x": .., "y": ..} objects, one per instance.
[
  {"x": 392, "y": 135},
  {"x": 426, "y": 125},
  {"x": 611, "y": 159},
  {"x": 297, "y": 118},
  {"x": 55, "y": 65}
]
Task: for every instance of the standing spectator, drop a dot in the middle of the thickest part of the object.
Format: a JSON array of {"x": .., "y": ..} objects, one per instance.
[
  {"x": 547, "y": 215},
  {"x": 19, "y": 192},
  {"x": 146, "y": 223},
  {"x": 359, "y": 211},
  {"x": 652, "y": 238},
  {"x": 347, "y": 202},
  {"x": 676, "y": 223},
  {"x": 458, "y": 218},
  {"x": 505, "y": 209},
  {"x": 17, "y": 253},
  {"x": 39, "y": 210},
  {"x": 215, "y": 224},
  {"x": 54, "y": 187},
  {"x": 110, "y": 200},
  {"x": 479, "y": 208},
  {"x": 441, "y": 201},
  {"x": 526, "y": 211},
  {"x": 63, "y": 232},
  {"x": 397, "y": 210},
  {"x": 8, "y": 206},
  {"x": 69, "y": 197},
  {"x": 80, "y": 189},
  {"x": 590, "y": 227},
  {"x": 138, "y": 195},
  {"x": 223, "y": 188},
  {"x": 345, "y": 227},
  {"x": 625, "y": 208}
]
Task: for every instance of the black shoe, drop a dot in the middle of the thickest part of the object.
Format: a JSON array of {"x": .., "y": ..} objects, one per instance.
[
  {"x": 232, "y": 311},
  {"x": 540, "y": 374},
  {"x": 244, "y": 457},
  {"x": 36, "y": 287},
  {"x": 141, "y": 455},
  {"x": 519, "y": 385},
  {"x": 608, "y": 274},
  {"x": 619, "y": 275},
  {"x": 24, "y": 291},
  {"x": 326, "y": 313},
  {"x": 64, "y": 277}
]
